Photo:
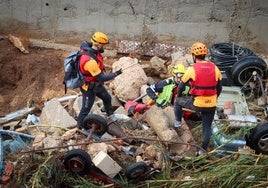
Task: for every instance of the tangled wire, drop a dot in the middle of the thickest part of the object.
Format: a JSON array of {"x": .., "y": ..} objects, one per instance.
[{"x": 225, "y": 55}]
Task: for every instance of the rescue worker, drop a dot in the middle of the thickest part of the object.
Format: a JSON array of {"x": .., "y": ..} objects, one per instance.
[
  {"x": 204, "y": 78},
  {"x": 164, "y": 92},
  {"x": 92, "y": 65}
]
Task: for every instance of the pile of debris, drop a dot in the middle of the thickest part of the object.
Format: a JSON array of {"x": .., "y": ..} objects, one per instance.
[
  {"x": 41, "y": 145},
  {"x": 142, "y": 136}
]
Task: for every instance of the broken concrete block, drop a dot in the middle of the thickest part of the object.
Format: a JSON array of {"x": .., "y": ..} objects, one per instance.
[
  {"x": 54, "y": 115},
  {"x": 106, "y": 164}
]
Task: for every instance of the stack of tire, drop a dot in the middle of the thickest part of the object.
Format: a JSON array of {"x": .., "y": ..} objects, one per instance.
[{"x": 238, "y": 62}]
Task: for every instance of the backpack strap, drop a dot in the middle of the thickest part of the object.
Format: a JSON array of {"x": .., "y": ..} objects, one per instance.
[
  {"x": 65, "y": 88},
  {"x": 88, "y": 52}
]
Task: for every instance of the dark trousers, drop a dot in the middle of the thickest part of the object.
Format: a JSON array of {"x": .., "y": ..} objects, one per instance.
[
  {"x": 88, "y": 98},
  {"x": 207, "y": 115},
  {"x": 207, "y": 119},
  {"x": 183, "y": 102}
]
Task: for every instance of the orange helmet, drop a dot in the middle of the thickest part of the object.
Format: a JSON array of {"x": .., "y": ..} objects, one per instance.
[
  {"x": 199, "y": 48},
  {"x": 99, "y": 38}
]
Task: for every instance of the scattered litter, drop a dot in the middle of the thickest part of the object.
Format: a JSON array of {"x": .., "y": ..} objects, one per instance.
[{"x": 16, "y": 115}]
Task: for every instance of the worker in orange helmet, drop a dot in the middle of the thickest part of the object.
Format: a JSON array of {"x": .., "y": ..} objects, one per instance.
[
  {"x": 204, "y": 78},
  {"x": 91, "y": 64}
]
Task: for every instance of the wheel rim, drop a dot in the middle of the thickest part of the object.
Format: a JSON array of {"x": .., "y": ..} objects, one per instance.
[
  {"x": 247, "y": 72},
  {"x": 76, "y": 164},
  {"x": 98, "y": 127},
  {"x": 263, "y": 143}
]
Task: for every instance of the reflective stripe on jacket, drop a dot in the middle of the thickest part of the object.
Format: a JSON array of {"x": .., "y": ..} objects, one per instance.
[
  {"x": 165, "y": 97},
  {"x": 168, "y": 94}
]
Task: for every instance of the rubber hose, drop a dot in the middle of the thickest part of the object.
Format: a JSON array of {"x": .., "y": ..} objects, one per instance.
[{"x": 225, "y": 55}]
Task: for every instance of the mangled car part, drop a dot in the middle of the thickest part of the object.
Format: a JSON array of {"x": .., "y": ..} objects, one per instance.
[{"x": 235, "y": 127}]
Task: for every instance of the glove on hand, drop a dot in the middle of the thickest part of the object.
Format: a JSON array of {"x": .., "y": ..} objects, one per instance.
[
  {"x": 118, "y": 72},
  {"x": 154, "y": 97}
]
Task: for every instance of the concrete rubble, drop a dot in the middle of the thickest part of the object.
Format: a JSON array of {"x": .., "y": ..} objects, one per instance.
[{"x": 54, "y": 127}]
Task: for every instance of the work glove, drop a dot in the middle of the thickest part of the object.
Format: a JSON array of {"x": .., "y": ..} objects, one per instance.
[
  {"x": 154, "y": 97},
  {"x": 118, "y": 72}
]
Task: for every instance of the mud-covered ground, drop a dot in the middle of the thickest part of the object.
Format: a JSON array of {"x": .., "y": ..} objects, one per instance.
[{"x": 36, "y": 76}]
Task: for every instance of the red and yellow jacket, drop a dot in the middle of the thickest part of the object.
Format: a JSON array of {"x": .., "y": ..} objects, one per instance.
[
  {"x": 203, "y": 77},
  {"x": 91, "y": 67}
]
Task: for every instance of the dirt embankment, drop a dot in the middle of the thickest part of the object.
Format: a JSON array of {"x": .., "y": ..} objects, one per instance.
[{"x": 36, "y": 75}]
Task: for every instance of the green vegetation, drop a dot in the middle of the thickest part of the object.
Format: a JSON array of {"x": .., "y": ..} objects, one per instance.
[{"x": 239, "y": 169}]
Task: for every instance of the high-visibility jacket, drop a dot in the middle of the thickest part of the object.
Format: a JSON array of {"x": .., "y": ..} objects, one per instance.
[
  {"x": 165, "y": 97},
  {"x": 169, "y": 92}
]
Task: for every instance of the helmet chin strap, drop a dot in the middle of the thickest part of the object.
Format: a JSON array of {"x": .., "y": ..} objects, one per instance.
[
  {"x": 194, "y": 58},
  {"x": 99, "y": 48}
]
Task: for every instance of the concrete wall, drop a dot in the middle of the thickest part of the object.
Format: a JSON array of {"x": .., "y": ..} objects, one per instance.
[{"x": 179, "y": 22}]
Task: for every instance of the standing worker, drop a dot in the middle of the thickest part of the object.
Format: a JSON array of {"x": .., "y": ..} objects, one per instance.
[
  {"x": 204, "y": 78},
  {"x": 92, "y": 65},
  {"x": 164, "y": 92}
]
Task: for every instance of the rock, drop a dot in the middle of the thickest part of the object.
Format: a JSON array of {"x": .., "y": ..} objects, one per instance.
[
  {"x": 139, "y": 158},
  {"x": 21, "y": 43},
  {"x": 150, "y": 153},
  {"x": 95, "y": 148},
  {"x": 121, "y": 110},
  {"x": 37, "y": 143},
  {"x": 176, "y": 56},
  {"x": 169, "y": 111},
  {"x": 127, "y": 85},
  {"x": 54, "y": 116},
  {"x": 158, "y": 65},
  {"x": 77, "y": 105},
  {"x": 158, "y": 120},
  {"x": 146, "y": 98},
  {"x": 69, "y": 134},
  {"x": 52, "y": 141}
]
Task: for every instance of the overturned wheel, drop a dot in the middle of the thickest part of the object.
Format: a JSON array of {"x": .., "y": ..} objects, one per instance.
[
  {"x": 242, "y": 71},
  {"x": 135, "y": 170},
  {"x": 258, "y": 138},
  {"x": 77, "y": 161},
  {"x": 99, "y": 123}
]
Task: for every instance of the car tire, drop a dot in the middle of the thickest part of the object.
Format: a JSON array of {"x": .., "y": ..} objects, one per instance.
[
  {"x": 258, "y": 139},
  {"x": 77, "y": 161},
  {"x": 243, "y": 69},
  {"x": 135, "y": 170},
  {"x": 100, "y": 122}
]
